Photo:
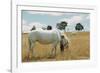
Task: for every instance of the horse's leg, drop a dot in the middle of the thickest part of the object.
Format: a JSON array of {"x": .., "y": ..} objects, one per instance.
[
  {"x": 30, "y": 49},
  {"x": 55, "y": 51},
  {"x": 54, "y": 48},
  {"x": 51, "y": 53}
]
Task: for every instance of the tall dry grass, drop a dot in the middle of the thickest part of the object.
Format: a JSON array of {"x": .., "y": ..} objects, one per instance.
[{"x": 79, "y": 49}]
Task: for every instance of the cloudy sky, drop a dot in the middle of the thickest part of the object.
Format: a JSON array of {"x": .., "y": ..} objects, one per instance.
[{"x": 43, "y": 19}]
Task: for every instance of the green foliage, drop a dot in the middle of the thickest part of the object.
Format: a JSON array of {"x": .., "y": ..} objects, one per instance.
[
  {"x": 79, "y": 27},
  {"x": 62, "y": 25}
]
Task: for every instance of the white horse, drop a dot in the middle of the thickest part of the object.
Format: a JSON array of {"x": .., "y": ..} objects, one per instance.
[{"x": 53, "y": 37}]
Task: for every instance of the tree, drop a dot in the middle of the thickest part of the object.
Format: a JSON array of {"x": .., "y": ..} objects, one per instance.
[
  {"x": 62, "y": 25},
  {"x": 49, "y": 27},
  {"x": 79, "y": 27}
]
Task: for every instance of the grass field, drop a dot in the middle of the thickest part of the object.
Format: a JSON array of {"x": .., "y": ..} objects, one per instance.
[{"x": 79, "y": 49}]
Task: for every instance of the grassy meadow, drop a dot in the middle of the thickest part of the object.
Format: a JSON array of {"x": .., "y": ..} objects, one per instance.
[{"x": 79, "y": 49}]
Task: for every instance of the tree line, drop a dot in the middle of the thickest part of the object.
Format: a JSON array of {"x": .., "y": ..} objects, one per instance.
[{"x": 62, "y": 26}]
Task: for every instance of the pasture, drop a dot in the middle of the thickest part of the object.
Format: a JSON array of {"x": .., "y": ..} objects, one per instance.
[{"x": 79, "y": 49}]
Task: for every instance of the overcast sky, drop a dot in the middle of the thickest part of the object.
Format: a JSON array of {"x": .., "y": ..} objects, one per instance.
[{"x": 43, "y": 19}]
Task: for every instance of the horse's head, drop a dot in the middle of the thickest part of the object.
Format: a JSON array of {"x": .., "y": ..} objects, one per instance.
[{"x": 64, "y": 43}]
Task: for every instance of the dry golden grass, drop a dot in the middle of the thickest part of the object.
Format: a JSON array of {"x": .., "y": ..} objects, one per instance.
[{"x": 79, "y": 49}]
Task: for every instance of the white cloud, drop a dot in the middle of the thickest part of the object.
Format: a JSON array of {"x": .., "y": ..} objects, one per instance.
[
  {"x": 24, "y": 22},
  {"x": 48, "y": 13},
  {"x": 37, "y": 25},
  {"x": 27, "y": 27},
  {"x": 73, "y": 20},
  {"x": 76, "y": 19}
]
